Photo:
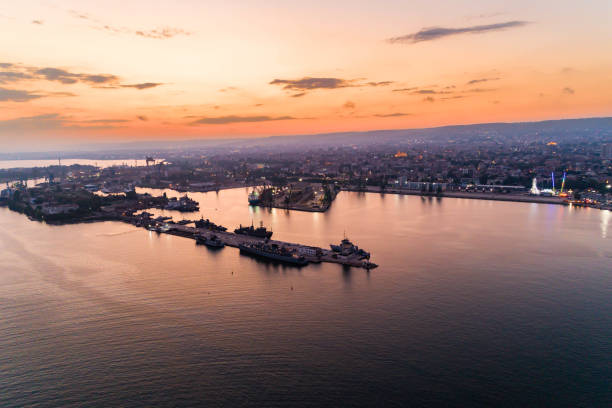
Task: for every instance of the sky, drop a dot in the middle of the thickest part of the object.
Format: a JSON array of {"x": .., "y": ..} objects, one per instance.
[{"x": 91, "y": 71}]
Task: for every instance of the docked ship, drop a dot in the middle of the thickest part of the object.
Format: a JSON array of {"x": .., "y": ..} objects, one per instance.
[
  {"x": 254, "y": 198},
  {"x": 346, "y": 248},
  {"x": 212, "y": 242},
  {"x": 259, "y": 232},
  {"x": 272, "y": 252},
  {"x": 206, "y": 223},
  {"x": 183, "y": 204}
]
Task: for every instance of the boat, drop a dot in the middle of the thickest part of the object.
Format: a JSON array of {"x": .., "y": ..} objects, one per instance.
[
  {"x": 254, "y": 198},
  {"x": 346, "y": 248},
  {"x": 183, "y": 204},
  {"x": 212, "y": 242},
  {"x": 272, "y": 252},
  {"x": 206, "y": 223},
  {"x": 259, "y": 232}
]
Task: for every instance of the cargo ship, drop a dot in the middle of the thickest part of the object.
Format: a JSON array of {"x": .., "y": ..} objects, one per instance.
[
  {"x": 272, "y": 252},
  {"x": 254, "y": 198},
  {"x": 259, "y": 232}
]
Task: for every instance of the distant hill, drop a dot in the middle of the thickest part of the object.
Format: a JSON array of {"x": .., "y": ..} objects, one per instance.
[{"x": 558, "y": 130}]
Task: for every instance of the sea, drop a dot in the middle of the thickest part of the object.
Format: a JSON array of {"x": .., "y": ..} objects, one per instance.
[{"x": 475, "y": 303}]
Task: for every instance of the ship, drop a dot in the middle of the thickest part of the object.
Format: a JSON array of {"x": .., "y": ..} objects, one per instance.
[
  {"x": 346, "y": 248},
  {"x": 272, "y": 252},
  {"x": 254, "y": 198},
  {"x": 183, "y": 204},
  {"x": 206, "y": 223},
  {"x": 212, "y": 242},
  {"x": 259, "y": 232}
]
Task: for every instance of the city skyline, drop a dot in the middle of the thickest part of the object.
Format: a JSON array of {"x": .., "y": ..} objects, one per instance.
[{"x": 77, "y": 72}]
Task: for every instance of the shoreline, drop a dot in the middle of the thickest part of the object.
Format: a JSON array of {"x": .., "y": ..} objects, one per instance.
[{"x": 474, "y": 196}]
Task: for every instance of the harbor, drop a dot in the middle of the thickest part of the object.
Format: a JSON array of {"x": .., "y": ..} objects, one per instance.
[{"x": 311, "y": 254}]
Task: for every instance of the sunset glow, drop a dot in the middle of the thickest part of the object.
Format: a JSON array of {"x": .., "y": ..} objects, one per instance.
[{"x": 84, "y": 71}]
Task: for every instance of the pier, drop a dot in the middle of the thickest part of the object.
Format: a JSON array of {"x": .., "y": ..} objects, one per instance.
[{"x": 310, "y": 253}]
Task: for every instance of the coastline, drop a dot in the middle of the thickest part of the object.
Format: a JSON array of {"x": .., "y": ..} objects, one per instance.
[{"x": 474, "y": 196}]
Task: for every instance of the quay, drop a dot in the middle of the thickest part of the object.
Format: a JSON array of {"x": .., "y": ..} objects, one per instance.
[{"x": 311, "y": 254}]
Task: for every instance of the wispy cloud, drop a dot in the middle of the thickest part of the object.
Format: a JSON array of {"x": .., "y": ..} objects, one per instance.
[
  {"x": 309, "y": 83},
  {"x": 429, "y": 99},
  {"x": 568, "y": 91},
  {"x": 144, "y": 85},
  {"x": 104, "y": 121},
  {"x": 306, "y": 84},
  {"x": 159, "y": 33},
  {"x": 10, "y": 72},
  {"x": 39, "y": 122},
  {"x": 349, "y": 105},
  {"x": 435, "y": 33},
  {"x": 392, "y": 115},
  {"x": 405, "y": 89},
  {"x": 380, "y": 83},
  {"x": 142, "y": 118},
  {"x": 16, "y": 95},
  {"x": 480, "y": 80},
  {"x": 222, "y": 120},
  {"x": 66, "y": 77},
  {"x": 53, "y": 121},
  {"x": 38, "y": 22},
  {"x": 162, "y": 33}
]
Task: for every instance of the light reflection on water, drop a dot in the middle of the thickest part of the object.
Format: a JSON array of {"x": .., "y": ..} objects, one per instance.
[{"x": 474, "y": 303}]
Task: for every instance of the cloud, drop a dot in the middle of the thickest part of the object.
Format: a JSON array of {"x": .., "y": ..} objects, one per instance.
[
  {"x": 392, "y": 115},
  {"x": 435, "y": 33},
  {"x": 349, "y": 105},
  {"x": 405, "y": 89},
  {"x": 66, "y": 77},
  {"x": 308, "y": 83},
  {"x": 10, "y": 72},
  {"x": 159, "y": 33},
  {"x": 479, "y": 90},
  {"x": 144, "y": 85},
  {"x": 479, "y": 80},
  {"x": 16, "y": 95},
  {"x": 13, "y": 76},
  {"x": 429, "y": 92},
  {"x": 142, "y": 118},
  {"x": 104, "y": 121},
  {"x": 222, "y": 120},
  {"x": 429, "y": 99},
  {"x": 39, "y": 122},
  {"x": 569, "y": 91},
  {"x": 51, "y": 121},
  {"x": 380, "y": 83},
  {"x": 303, "y": 85},
  {"x": 162, "y": 33},
  {"x": 39, "y": 22}
]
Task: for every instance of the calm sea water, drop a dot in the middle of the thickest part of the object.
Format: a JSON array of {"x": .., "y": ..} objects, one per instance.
[
  {"x": 9, "y": 164},
  {"x": 475, "y": 303}
]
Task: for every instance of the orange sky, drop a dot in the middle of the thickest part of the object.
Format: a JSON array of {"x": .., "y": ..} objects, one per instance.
[{"x": 83, "y": 71}]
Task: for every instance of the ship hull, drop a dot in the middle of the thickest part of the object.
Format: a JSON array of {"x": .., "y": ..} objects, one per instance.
[{"x": 272, "y": 257}]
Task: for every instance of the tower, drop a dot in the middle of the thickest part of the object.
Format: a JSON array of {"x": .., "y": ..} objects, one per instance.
[{"x": 534, "y": 187}]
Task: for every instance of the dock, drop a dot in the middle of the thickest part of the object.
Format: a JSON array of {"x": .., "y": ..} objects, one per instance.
[{"x": 310, "y": 253}]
